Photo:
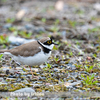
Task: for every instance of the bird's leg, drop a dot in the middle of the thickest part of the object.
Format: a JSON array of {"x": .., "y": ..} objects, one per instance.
[{"x": 32, "y": 73}]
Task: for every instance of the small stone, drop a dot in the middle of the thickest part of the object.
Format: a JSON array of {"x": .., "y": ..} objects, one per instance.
[
  {"x": 21, "y": 13},
  {"x": 25, "y": 90},
  {"x": 18, "y": 68},
  {"x": 70, "y": 66},
  {"x": 42, "y": 66},
  {"x": 11, "y": 76},
  {"x": 8, "y": 25},
  {"x": 26, "y": 82},
  {"x": 2, "y": 75},
  {"x": 89, "y": 58},
  {"x": 61, "y": 66},
  {"x": 29, "y": 76},
  {"x": 56, "y": 69},
  {"x": 7, "y": 72},
  {"x": 40, "y": 29},
  {"x": 76, "y": 83},
  {"x": 33, "y": 69},
  {"x": 18, "y": 80},
  {"x": 70, "y": 85},
  {"x": 29, "y": 26},
  {"x": 98, "y": 84},
  {"x": 52, "y": 74},
  {"x": 1, "y": 79},
  {"x": 17, "y": 75},
  {"x": 43, "y": 78},
  {"x": 10, "y": 79},
  {"x": 36, "y": 85},
  {"x": 47, "y": 83},
  {"x": 59, "y": 5}
]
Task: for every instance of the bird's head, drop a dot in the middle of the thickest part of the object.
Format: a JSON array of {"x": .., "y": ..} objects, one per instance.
[{"x": 47, "y": 42}]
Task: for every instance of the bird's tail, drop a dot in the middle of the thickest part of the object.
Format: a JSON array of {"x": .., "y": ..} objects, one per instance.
[{"x": 3, "y": 51}]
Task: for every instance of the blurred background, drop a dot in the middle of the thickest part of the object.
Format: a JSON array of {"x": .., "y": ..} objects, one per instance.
[{"x": 36, "y": 18}]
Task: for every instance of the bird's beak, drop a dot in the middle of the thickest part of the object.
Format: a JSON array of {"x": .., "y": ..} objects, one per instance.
[{"x": 54, "y": 43}]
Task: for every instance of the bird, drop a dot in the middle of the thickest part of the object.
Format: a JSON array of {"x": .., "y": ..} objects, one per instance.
[{"x": 32, "y": 53}]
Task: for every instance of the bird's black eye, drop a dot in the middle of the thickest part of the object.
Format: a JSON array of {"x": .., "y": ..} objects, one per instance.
[{"x": 49, "y": 42}]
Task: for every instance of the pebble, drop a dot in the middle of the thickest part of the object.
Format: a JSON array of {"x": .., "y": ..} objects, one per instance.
[
  {"x": 18, "y": 80},
  {"x": 62, "y": 66},
  {"x": 25, "y": 90},
  {"x": 40, "y": 82},
  {"x": 56, "y": 70},
  {"x": 28, "y": 76},
  {"x": 26, "y": 82},
  {"x": 11, "y": 76},
  {"x": 52, "y": 74},
  {"x": 70, "y": 85},
  {"x": 20, "y": 28},
  {"x": 84, "y": 72},
  {"x": 17, "y": 75},
  {"x": 96, "y": 45},
  {"x": 97, "y": 6},
  {"x": 2, "y": 75},
  {"x": 98, "y": 84},
  {"x": 43, "y": 78},
  {"x": 7, "y": 72},
  {"x": 29, "y": 27},
  {"x": 37, "y": 85},
  {"x": 8, "y": 25},
  {"x": 63, "y": 35},
  {"x": 40, "y": 29},
  {"x": 70, "y": 66},
  {"x": 19, "y": 40},
  {"x": 47, "y": 83},
  {"x": 11, "y": 79},
  {"x": 33, "y": 69},
  {"x": 42, "y": 66},
  {"x": 1, "y": 79}
]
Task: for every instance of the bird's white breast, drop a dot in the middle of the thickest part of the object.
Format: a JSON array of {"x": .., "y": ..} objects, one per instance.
[{"x": 37, "y": 59}]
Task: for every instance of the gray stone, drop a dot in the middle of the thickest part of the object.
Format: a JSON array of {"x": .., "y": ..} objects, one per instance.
[
  {"x": 25, "y": 90},
  {"x": 8, "y": 25}
]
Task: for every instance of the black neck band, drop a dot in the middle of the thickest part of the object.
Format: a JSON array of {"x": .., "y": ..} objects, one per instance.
[{"x": 46, "y": 50}]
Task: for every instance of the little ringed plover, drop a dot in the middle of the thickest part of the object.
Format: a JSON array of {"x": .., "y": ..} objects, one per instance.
[{"x": 32, "y": 53}]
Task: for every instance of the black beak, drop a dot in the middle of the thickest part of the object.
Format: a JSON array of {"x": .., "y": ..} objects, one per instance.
[
  {"x": 52, "y": 39},
  {"x": 54, "y": 43}
]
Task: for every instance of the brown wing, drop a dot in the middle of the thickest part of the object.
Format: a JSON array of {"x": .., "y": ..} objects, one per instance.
[{"x": 28, "y": 49}]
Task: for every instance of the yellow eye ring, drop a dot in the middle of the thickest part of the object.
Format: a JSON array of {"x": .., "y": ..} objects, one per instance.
[{"x": 49, "y": 42}]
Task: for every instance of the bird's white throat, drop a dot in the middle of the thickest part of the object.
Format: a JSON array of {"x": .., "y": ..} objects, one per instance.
[{"x": 47, "y": 46}]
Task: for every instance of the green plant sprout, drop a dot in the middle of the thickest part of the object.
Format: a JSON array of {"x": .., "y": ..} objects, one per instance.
[
  {"x": 54, "y": 28},
  {"x": 89, "y": 80},
  {"x": 43, "y": 20},
  {"x": 88, "y": 69},
  {"x": 56, "y": 59},
  {"x": 72, "y": 23},
  {"x": 71, "y": 53},
  {"x": 25, "y": 34},
  {"x": 94, "y": 55},
  {"x": 56, "y": 22},
  {"x": 10, "y": 20},
  {"x": 96, "y": 29},
  {"x": 3, "y": 39},
  {"x": 57, "y": 47},
  {"x": 48, "y": 65},
  {"x": 1, "y": 55},
  {"x": 12, "y": 29},
  {"x": 80, "y": 12}
]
